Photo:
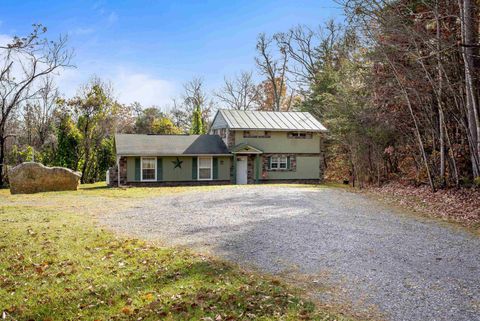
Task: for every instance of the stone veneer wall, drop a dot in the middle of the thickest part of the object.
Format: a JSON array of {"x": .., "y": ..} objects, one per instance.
[
  {"x": 230, "y": 145},
  {"x": 251, "y": 169},
  {"x": 230, "y": 139},
  {"x": 113, "y": 173},
  {"x": 265, "y": 157}
]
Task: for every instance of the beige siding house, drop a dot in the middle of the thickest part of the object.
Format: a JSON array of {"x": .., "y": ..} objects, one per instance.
[
  {"x": 242, "y": 147},
  {"x": 272, "y": 146}
]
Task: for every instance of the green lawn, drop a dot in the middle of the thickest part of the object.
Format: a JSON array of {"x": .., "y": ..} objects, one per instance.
[{"x": 57, "y": 264}]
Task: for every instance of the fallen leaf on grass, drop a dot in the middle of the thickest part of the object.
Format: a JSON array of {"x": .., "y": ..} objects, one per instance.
[
  {"x": 127, "y": 310},
  {"x": 148, "y": 297}
]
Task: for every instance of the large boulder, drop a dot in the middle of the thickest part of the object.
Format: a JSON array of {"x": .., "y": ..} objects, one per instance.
[{"x": 31, "y": 177}]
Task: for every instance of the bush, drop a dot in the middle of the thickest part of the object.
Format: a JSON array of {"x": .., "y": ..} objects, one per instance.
[{"x": 476, "y": 181}]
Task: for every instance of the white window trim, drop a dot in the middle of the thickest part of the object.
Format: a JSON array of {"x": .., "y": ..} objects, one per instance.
[
  {"x": 141, "y": 170},
  {"x": 279, "y": 162},
  {"x": 198, "y": 169}
]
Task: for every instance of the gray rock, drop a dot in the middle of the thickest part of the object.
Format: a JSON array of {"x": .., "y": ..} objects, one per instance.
[{"x": 30, "y": 177}]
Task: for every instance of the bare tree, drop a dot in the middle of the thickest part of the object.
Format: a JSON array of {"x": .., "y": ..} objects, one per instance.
[
  {"x": 310, "y": 50},
  {"x": 180, "y": 117},
  {"x": 194, "y": 93},
  {"x": 24, "y": 62},
  {"x": 469, "y": 50},
  {"x": 301, "y": 45},
  {"x": 193, "y": 96},
  {"x": 273, "y": 67},
  {"x": 239, "y": 93},
  {"x": 39, "y": 113}
]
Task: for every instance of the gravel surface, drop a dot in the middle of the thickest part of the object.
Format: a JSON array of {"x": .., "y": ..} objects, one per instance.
[{"x": 407, "y": 267}]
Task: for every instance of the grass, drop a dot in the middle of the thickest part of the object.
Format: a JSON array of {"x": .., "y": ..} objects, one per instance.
[{"x": 57, "y": 264}]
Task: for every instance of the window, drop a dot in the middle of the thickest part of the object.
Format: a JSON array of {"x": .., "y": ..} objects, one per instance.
[
  {"x": 256, "y": 134},
  {"x": 149, "y": 168},
  {"x": 204, "y": 168},
  {"x": 278, "y": 162},
  {"x": 299, "y": 135}
]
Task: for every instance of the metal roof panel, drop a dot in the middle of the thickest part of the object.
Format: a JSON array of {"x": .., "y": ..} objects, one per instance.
[
  {"x": 284, "y": 123},
  {"x": 268, "y": 120}
]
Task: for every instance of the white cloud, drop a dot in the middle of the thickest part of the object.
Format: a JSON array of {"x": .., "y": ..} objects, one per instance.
[
  {"x": 128, "y": 85},
  {"x": 69, "y": 80},
  {"x": 143, "y": 88}
]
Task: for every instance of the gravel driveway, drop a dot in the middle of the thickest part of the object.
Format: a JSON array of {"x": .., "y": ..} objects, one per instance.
[{"x": 346, "y": 246}]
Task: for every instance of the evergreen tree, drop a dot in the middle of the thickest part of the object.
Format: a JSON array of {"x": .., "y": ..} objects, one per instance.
[
  {"x": 69, "y": 140},
  {"x": 197, "y": 122}
]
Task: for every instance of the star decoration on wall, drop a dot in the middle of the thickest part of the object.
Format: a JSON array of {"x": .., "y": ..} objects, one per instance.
[{"x": 177, "y": 163}]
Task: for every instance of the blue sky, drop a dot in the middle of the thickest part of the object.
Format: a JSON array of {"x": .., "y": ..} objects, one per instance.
[{"x": 147, "y": 49}]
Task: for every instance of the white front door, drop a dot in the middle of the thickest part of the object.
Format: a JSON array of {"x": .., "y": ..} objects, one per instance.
[{"x": 241, "y": 170}]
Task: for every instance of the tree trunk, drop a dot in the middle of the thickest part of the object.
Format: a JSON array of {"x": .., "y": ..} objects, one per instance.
[
  {"x": 468, "y": 53},
  {"x": 85, "y": 164},
  {"x": 415, "y": 122},
  {"x": 441, "y": 117},
  {"x": 2, "y": 157},
  {"x": 420, "y": 141}
]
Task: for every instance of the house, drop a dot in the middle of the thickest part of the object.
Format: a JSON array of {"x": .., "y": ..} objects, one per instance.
[
  {"x": 171, "y": 160},
  {"x": 242, "y": 147}
]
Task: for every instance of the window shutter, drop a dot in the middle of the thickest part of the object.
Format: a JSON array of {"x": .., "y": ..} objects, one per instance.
[
  {"x": 137, "y": 168},
  {"x": 270, "y": 162},
  {"x": 288, "y": 162},
  {"x": 159, "y": 169},
  {"x": 215, "y": 168},
  {"x": 194, "y": 168}
]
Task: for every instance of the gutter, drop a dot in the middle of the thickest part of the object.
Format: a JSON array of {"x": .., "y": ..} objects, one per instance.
[{"x": 171, "y": 155}]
